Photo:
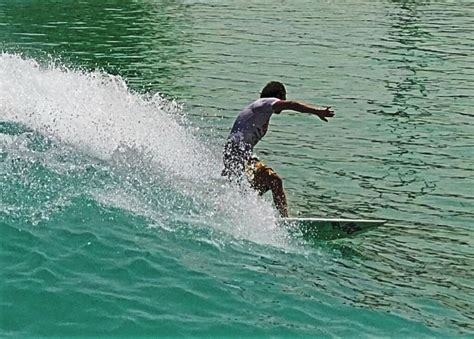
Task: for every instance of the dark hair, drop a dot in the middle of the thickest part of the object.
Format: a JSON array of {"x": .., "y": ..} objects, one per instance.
[{"x": 274, "y": 89}]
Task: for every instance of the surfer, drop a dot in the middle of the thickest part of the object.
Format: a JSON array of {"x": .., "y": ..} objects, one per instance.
[{"x": 249, "y": 128}]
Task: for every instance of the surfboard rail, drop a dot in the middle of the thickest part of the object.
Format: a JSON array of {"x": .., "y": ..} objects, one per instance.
[{"x": 331, "y": 228}]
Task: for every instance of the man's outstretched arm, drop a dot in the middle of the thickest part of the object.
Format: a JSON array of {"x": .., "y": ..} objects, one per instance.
[{"x": 322, "y": 113}]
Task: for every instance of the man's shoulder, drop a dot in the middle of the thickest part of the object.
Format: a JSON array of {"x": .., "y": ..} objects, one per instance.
[{"x": 264, "y": 102}]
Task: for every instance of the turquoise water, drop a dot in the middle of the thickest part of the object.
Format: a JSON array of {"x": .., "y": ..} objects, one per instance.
[{"x": 115, "y": 221}]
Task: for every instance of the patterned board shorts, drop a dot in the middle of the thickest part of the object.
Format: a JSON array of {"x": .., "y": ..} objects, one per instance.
[
  {"x": 239, "y": 163},
  {"x": 258, "y": 175},
  {"x": 253, "y": 170}
]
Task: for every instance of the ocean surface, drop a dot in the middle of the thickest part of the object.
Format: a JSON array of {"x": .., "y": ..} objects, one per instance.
[{"x": 114, "y": 219}]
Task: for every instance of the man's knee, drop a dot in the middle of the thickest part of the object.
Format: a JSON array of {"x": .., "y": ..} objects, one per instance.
[
  {"x": 275, "y": 181},
  {"x": 272, "y": 180}
]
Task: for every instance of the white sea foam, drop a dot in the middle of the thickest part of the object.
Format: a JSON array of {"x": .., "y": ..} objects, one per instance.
[{"x": 141, "y": 137}]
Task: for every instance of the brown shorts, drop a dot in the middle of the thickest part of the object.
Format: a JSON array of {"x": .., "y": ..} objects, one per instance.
[
  {"x": 259, "y": 175},
  {"x": 239, "y": 164}
]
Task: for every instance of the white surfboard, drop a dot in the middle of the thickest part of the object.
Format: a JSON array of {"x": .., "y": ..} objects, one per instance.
[{"x": 331, "y": 229}]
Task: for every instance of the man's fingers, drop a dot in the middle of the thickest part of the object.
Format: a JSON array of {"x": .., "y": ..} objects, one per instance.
[
  {"x": 329, "y": 111},
  {"x": 326, "y": 113}
]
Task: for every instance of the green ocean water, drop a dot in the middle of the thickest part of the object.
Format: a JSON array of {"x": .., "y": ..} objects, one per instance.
[{"x": 114, "y": 219}]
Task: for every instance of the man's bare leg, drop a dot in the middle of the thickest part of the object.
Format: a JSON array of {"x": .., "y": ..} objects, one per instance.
[
  {"x": 266, "y": 180},
  {"x": 279, "y": 197}
]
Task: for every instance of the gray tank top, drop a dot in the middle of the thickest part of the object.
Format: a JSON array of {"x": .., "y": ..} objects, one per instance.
[{"x": 252, "y": 122}]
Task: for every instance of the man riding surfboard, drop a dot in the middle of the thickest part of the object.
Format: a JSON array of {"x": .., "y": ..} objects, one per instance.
[{"x": 249, "y": 128}]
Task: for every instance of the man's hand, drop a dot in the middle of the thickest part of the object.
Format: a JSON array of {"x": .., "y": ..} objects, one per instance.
[{"x": 325, "y": 113}]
